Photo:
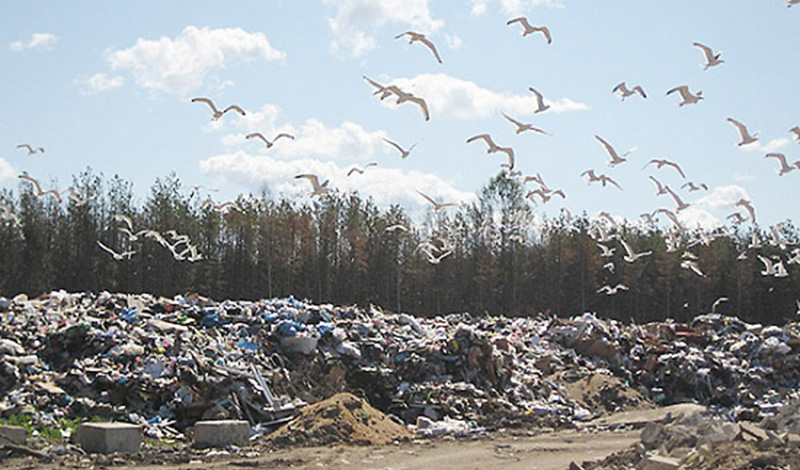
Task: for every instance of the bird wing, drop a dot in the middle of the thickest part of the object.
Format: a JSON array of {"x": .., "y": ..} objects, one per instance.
[
  {"x": 206, "y": 101},
  {"x": 107, "y": 249},
  {"x": 781, "y": 158},
  {"x": 428, "y": 198},
  {"x": 34, "y": 181},
  {"x": 430, "y": 46},
  {"x": 26, "y": 146},
  {"x": 423, "y": 106},
  {"x": 402, "y": 34},
  {"x": 395, "y": 145},
  {"x": 522, "y": 20},
  {"x": 739, "y": 126},
  {"x": 257, "y": 134},
  {"x": 283, "y": 134},
  {"x": 546, "y": 31},
  {"x": 486, "y": 137},
  {"x": 514, "y": 121},
  {"x": 313, "y": 179},
  {"x": 375, "y": 84},
  {"x": 539, "y": 98},
  {"x": 609, "y": 180},
  {"x": 706, "y": 51},
  {"x": 609, "y": 148},
  {"x": 510, "y": 152},
  {"x": 640, "y": 90},
  {"x": 235, "y": 108},
  {"x": 355, "y": 169},
  {"x": 621, "y": 88},
  {"x": 677, "y": 167},
  {"x": 680, "y": 89}
]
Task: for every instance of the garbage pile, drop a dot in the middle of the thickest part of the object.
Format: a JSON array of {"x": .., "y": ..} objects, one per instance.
[
  {"x": 167, "y": 363},
  {"x": 708, "y": 440}
]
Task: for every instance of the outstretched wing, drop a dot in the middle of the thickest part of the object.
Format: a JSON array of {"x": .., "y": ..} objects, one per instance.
[{"x": 206, "y": 101}]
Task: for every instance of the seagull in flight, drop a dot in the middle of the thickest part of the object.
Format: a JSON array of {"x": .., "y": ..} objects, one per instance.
[
  {"x": 695, "y": 187},
  {"x": 418, "y": 37},
  {"x": 616, "y": 159},
  {"x": 630, "y": 255},
  {"x": 659, "y": 186},
  {"x": 268, "y": 143},
  {"x": 603, "y": 179},
  {"x": 662, "y": 163},
  {"x": 437, "y": 206},
  {"x": 747, "y": 138},
  {"x": 38, "y": 189},
  {"x": 318, "y": 189},
  {"x": 672, "y": 217},
  {"x": 608, "y": 290},
  {"x": 624, "y": 92},
  {"x": 383, "y": 90},
  {"x": 692, "y": 266},
  {"x": 712, "y": 59},
  {"x": 789, "y": 4},
  {"x": 522, "y": 127},
  {"x": 114, "y": 254},
  {"x": 785, "y": 167},
  {"x": 360, "y": 170},
  {"x": 221, "y": 207},
  {"x": 528, "y": 29},
  {"x": 736, "y": 217},
  {"x": 688, "y": 97},
  {"x": 540, "y": 106},
  {"x": 31, "y": 150},
  {"x": 403, "y": 152},
  {"x": 217, "y": 113},
  {"x": 607, "y": 252},
  {"x": 748, "y": 206},
  {"x": 395, "y": 227},
  {"x": 405, "y": 97},
  {"x": 681, "y": 205},
  {"x": 492, "y": 148}
]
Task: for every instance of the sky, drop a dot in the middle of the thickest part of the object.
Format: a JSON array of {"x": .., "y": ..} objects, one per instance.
[{"x": 108, "y": 86}]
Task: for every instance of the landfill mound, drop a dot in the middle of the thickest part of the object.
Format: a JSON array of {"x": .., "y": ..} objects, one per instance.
[
  {"x": 604, "y": 394},
  {"x": 341, "y": 419}
]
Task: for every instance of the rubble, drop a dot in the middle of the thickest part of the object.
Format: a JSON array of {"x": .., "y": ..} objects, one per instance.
[{"x": 166, "y": 363}]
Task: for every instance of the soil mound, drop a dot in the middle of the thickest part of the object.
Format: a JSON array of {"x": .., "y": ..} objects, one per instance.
[
  {"x": 603, "y": 394},
  {"x": 341, "y": 419}
]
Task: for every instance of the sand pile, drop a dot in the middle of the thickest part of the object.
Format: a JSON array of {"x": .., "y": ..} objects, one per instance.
[
  {"x": 343, "y": 418},
  {"x": 603, "y": 394}
]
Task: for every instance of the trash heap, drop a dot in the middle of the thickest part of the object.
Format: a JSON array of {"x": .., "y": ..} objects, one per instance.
[
  {"x": 167, "y": 363},
  {"x": 711, "y": 440}
]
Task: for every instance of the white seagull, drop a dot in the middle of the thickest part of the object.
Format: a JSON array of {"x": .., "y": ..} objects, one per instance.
[
  {"x": 268, "y": 143},
  {"x": 688, "y": 97},
  {"x": 603, "y": 179},
  {"x": 360, "y": 170},
  {"x": 318, "y": 189},
  {"x": 747, "y": 138},
  {"x": 748, "y": 206},
  {"x": 624, "y": 92},
  {"x": 418, "y": 37},
  {"x": 405, "y": 97},
  {"x": 661, "y": 163},
  {"x": 38, "y": 188},
  {"x": 404, "y": 153},
  {"x": 221, "y": 207},
  {"x": 785, "y": 167},
  {"x": 608, "y": 290},
  {"x": 712, "y": 59},
  {"x": 692, "y": 266},
  {"x": 395, "y": 227},
  {"x": 493, "y": 147},
  {"x": 678, "y": 201},
  {"x": 522, "y": 127},
  {"x": 630, "y": 255},
  {"x": 437, "y": 206},
  {"x": 659, "y": 186},
  {"x": 528, "y": 29},
  {"x": 616, "y": 159},
  {"x": 796, "y": 131},
  {"x": 217, "y": 113},
  {"x": 114, "y": 254},
  {"x": 694, "y": 186},
  {"x": 31, "y": 150},
  {"x": 540, "y": 106}
]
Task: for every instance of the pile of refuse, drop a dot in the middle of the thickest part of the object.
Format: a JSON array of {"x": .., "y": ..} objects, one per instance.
[
  {"x": 706, "y": 440},
  {"x": 169, "y": 362}
]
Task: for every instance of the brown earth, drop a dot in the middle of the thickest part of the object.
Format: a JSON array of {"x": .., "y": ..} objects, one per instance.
[
  {"x": 603, "y": 394},
  {"x": 343, "y": 418}
]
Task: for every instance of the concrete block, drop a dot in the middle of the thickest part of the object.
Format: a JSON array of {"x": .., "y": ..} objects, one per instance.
[
  {"x": 658, "y": 462},
  {"x": 13, "y": 435},
  {"x": 221, "y": 433},
  {"x": 106, "y": 438}
]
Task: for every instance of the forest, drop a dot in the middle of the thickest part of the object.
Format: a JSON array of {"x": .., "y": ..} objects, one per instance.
[{"x": 495, "y": 256}]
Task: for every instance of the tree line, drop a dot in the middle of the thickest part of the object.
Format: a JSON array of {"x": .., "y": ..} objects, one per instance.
[{"x": 496, "y": 255}]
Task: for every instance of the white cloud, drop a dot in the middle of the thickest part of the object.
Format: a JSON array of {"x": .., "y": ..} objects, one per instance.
[
  {"x": 744, "y": 178},
  {"x": 384, "y": 185},
  {"x": 771, "y": 146},
  {"x": 708, "y": 211},
  {"x": 448, "y": 96},
  {"x": 37, "y": 40},
  {"x": 7, "y": 171},
  {"x": 514, "y": 7},
  {"x": 102, "y": 82},
  {"x": 356, "y": 22},
  {"x": 453, "y": 41},
  {"x": 181, "y": 64}
]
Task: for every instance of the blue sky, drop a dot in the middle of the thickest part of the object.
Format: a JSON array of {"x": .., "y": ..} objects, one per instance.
[{"x": 108, "y": 85}]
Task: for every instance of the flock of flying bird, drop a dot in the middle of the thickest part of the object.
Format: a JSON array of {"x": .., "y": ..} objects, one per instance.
[{"x": 439, "y": 247}]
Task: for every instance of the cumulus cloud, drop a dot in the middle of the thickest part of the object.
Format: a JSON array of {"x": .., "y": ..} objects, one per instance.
[
  {"x": 37, "y": 41},
  {"x": 384, "y": 185},
  {"x": 356, "y": 22},
  {"x": 7, "y": 171},
  {"x": 513, "y": 7},
  {"x": 709, "y": 211},
  {"x": 102, "y": 82},
  {"x": 771, "y": 146},
  {"x": 181, "y": 64},
  {"x": 448, "y": 96}
]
